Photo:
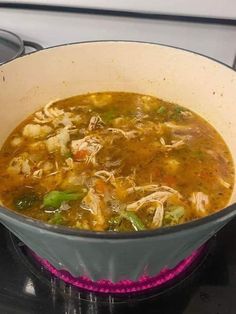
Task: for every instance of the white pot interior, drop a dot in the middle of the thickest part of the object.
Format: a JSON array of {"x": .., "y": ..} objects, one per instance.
[{"x": 185, "y": 78}]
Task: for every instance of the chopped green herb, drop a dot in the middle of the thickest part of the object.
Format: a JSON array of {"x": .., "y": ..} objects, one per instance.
[
  {"x": 109, "y": 115},
  {"x": 173, "y": 215},
  {"x": 57, "y": 219},
  {"x": 55, "y": 198},
  {"x": 198, "y": 154},
  {"x": 68, "y": 154},
  {"x": 25, "y": 201},
  {"x": 161, "y": 110},
  {"x": 176, "y": 114}
]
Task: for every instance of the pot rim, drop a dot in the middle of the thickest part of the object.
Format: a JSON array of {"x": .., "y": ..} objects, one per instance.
[{"x": 222, "y": 215}]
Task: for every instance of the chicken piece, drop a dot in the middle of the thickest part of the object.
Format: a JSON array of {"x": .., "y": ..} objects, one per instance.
[
  {"x": 105, "y": 176},
  {"x": 224, "y": 183},
  {"x": 152, "y": 188},
  {"x": 127, "y": 134},
  {"x": 158, "y": 215},
  {"x": 92, "y": 203},
  {"x": 19, "y": 165},
  {"x": 48, "y": 113},
  {"x": 201, "y": 202},
  {"x": 58, "y": 142},
  {"x": 95, "y": 123},
  {"x": 69, "y": 164},
  {"x": 36, "y": 131},
  {"x": 174, "y": 143},
  {"x": 56, "y": 116},
  {"x": 37, "y": 174},
  {"x": 161, "y": 195},
  {"x": 86, "y": 149}
]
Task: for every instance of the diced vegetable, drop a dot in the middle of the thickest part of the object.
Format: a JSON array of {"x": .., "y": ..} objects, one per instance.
[
  {"x": 68, "y": 155},
  {"x": 161, "y": 110},
  {"x": 100, "y": 186},
  {"x": 81, "y": 154},
  {"x": 55, "y": 198},
  {"x": 25, "y": 201},
  {"x": 57, "y": 219},
  {"x": 134, "y": 219},
  {"x": 116, "y": 222},
  {"x": 109, "y": 115},
  {"x": 176, "y": 115},
  {"x": 198, "y": 154},
  {"x": 173, "y": 215}
]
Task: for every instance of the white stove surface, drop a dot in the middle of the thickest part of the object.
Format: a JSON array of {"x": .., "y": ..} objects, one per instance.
[
  {"x": 53, "y": 28},
  {"x": 208, "y": 8}
]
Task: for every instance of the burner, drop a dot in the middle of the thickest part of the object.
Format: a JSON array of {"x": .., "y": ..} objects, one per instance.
[{"x": 124, "y": 286}]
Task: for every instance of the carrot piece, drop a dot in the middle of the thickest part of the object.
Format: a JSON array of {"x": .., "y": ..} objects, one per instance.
[
  {"x": 100, "y": 186},
  {"x": 80, "y": 154}
]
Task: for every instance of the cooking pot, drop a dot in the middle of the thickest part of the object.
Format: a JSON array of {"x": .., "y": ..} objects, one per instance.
[
  {"x": 12, "y": 46},
  {"x": 203, "y": 85}
]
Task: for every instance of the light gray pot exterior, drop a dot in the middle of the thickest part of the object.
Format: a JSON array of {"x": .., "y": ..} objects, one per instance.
[{"x": 112, "y": 258}]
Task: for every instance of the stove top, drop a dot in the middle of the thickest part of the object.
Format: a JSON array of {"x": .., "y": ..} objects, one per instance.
[{"x": 210, "y": 287}]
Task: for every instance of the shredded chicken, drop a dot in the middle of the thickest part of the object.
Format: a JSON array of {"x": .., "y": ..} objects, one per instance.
[
  {"x": 158, "y": 215},
  {"x": 95, "y": 122},
  {"x": 41, "y": 118},
  {"x": 111, "y": 163},
  {"x": 127, "y": 134},
  {"x": 185, "y": 132},
  {"x": 224, "y": 183},
  {"x": 200, "y": 201},
  {"x": 64, "y": 206},
  {"x": 143, "y": 188},
  {"x": 37, "y": 174},
  {"x": 92, "y": 203},
  {"x": 56, "y": 117},
  {"x": 151, "y": 188},
  {"x": 174, "y": 143},
  {"x": 48, "y": 113},
  {"x": 174, "y": 126},
  {"x": 161, "y": 195},
  {"x": 105, "y": 176},
  {"x": 90, "y": 144},
  {"x": 69, "y": 164}
]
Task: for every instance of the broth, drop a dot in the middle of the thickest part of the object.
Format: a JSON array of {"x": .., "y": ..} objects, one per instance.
[{"x": 115, "y": 162}]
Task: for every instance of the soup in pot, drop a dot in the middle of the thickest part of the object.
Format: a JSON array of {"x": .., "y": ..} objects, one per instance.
[{"x": 115, "y": 162}]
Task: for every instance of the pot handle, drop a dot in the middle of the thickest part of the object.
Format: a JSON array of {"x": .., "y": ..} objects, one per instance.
[{"x": 32, "y": 45}]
